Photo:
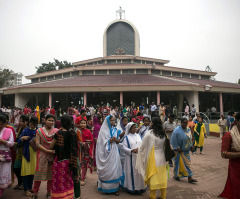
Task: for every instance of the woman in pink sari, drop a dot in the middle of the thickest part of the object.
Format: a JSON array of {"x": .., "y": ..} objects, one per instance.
[
  {"x": 231, "y": 150},
  {"x": 97, "y": 123},
  {"x": 45, "y": 156},
  {"x": 6, "y": 141}
]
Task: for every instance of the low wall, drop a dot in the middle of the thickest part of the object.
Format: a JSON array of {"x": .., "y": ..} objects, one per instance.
[{"x": 214, "y": 130}]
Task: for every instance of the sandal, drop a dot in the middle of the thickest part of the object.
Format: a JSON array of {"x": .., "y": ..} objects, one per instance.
[
  {"x": 192, "y": 181},
  {"x": 21, "y": 187},
  {"x": 48, "y": 196},
  {"x": 82, "y": 183},
  {"x": 34, "y": 197},
  {"x": 117, "y": 193},
  {"x": 176, "y": 178},
  {"x": 28, "y": 194},
  {"x": 17, "y": 187}
]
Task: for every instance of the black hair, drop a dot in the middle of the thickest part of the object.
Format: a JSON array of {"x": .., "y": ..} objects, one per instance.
[
  {"x": 66, "y": 121},
  {"x": 183, "y": 119},
  {"x": 3, "y": 119},
  {"x": 88, "y": 117},
  {"x": 6, "y": 115},
  {"x": 24, "y": 118},
  {"x": 237, "y": 117},
  {"x": 50, "y": 116},
  {"x": 157, "y": 127},
  {"x": 33, "y": 120},
  {"x": 83, "y": 120},
  {"x": 146, "y": 118},
  {"x": 82, "y": 111},
  {"x": 124, "y": 117},
  {"x": 99, "y": 117},
  {"x": 172, "y": 116}
]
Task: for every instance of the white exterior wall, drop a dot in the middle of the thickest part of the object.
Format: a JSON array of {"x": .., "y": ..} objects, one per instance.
[{"x": 22, "y": 99}]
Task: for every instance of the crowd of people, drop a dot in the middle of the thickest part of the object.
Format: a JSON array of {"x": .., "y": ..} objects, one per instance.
[{"x": 126, "y": 146}]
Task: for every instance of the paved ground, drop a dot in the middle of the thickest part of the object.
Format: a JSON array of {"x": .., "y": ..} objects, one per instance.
[{"x": 209, "y": 169}]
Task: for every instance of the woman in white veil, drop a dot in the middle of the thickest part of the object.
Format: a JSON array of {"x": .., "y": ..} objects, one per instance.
[{"x": 107, "y": 158}]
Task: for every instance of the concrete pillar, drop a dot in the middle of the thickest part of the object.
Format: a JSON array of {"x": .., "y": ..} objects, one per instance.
[
  {"x": 196, "y": 100},
  {"x": 121, "y": 98},
  {"x": 158, "y": 97},
  {"x": 50, "y": 100},
  {"x": 221, "y": 103},
  {"x": 85, "y": 99}
]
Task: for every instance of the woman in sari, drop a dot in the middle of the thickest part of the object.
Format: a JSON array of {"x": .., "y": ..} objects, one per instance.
[
  {"x": 45, "y": 156},
  {"x": 86, "y": 150},
  {"x": 6, "y": 141},
  {"x": 231, "y": 150},
  {"x": 65, "y": 165},
  {"x": 151, "y": 161},
  {"x": 199, "y": 134},
  {"x": 29, "y": 155},
  {"x": 19, "y": 150},
  {"x": 97, "y": 122},
  {"x": 37, "y": 113},
  {"x": 133, "y": 182},
  {"x": 181, "y": 142},
  {"x": 107, "y": 158}
]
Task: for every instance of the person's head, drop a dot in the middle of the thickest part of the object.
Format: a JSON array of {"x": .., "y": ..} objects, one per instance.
[
  {"x": 49, "y": 121},
  {"x": 200, "y": 119},
  {"x": 223, "y": 116},
  {"x": 100, "y": 119},
  {"x": 193, "y": 105},
  {"x": 6, "y": 116},
  {"x": 132, "y": 129},
  {"x": 124, "y": 120},
  {"x": 33, "y": 122},
  {"x": 185, "y": 113},
  {"x": 171, "y": 118},
  {"x": 23, "y": 120},
  {"x": 152, "y": 103},
  {"x": 156, "y": 125},
  {"x": 66, "y": 122},
  {"x": 184, "y": 123},
  {"x": 112, "y": 120},
  {"x": 146, "y": 121},
  {"x": 190, "y": 118},
  {"x": 83, "y": 112},
  {"x": 3, "y": 122},
  {"x": 237, "y": 119},
  {"x": 83, "y": 124}
]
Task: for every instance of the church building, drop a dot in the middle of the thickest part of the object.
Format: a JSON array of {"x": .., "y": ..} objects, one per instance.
[{"x": 123, "y": 77}]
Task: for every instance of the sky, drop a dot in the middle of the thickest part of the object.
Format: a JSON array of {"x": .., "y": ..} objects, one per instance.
[{"x": 191, "y": 34}]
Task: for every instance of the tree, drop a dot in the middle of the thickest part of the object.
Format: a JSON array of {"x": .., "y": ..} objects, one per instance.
[
  {"x": 5, "y": 77},
  {"x": 238, "y": 81},
  {"x": 209, "y": 69},
  {"x": 53, "y": 66}
]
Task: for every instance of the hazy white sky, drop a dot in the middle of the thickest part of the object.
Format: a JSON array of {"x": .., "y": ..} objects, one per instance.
[{"x": 190, "y": 33}]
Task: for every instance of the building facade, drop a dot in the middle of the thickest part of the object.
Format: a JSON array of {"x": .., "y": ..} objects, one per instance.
[{"x": 123, "y": 77}]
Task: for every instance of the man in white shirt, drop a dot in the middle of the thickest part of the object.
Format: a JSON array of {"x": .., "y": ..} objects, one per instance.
[
  {"x": 187, "y": 109},
  {"x": 153, "y": 108}
]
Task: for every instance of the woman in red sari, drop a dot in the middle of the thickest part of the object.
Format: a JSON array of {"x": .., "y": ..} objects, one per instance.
[
  {"x": 86, "y": 150},
  {"x": 231, "y": 150}
]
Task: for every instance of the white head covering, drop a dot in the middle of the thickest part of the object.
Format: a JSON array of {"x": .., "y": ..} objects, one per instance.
[{"x": 129, "y": 125}]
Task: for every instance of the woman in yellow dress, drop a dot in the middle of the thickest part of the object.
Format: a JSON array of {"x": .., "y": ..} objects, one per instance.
[
  {"x": 199, "y": 134},
  {"x": 151, "y": 161}
]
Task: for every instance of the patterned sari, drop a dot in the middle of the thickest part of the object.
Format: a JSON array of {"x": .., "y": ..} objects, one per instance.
[{"x": 182, "y": 138}]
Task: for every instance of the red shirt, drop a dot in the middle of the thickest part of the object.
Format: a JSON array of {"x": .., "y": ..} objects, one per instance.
[
  {"x": 52, "y": 111},
  {"x": 25, "y": 111},
  {"x": 79, "y": 118}
]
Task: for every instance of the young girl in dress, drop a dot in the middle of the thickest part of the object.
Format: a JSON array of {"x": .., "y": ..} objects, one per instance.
[{"x": 86, "y": 150}]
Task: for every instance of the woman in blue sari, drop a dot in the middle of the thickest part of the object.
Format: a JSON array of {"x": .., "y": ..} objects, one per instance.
[
  {"x": 181, "y": 142},
  {"x": 109, "y": 167}
]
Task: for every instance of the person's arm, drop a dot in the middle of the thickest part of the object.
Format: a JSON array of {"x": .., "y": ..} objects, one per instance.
[
  {"x": 226, "y": 147},
  {"x": 174, "y": 142},
  {"x": 195, "y": 129},
  {"x": 41, "y": 147},
  {"x": 52, "y": 145},
  {"x": 125, "y": 147},
  {"x": 9, "y": 142}
]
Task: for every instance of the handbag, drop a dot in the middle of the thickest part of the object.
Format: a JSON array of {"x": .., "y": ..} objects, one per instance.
[
  {"x": 33, "y": 144},
  {"x": 5, "y": 156},
  {"x": 168, "y": 151}
]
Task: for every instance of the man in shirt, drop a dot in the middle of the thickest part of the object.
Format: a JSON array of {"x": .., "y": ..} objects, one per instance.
[
  {"x": 222, "y": 123},
  {"x": 153, "y": 108},
  {"x": 193, "y": 111},
  {"x": 169, "y": 127}
]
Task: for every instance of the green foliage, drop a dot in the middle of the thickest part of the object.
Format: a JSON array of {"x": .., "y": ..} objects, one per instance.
[
  {"x": 53, "y": 66},
  {"x": 238, "y": 81},
  {"x": 5, "y": 77}
]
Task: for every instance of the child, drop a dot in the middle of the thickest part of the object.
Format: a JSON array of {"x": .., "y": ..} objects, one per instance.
[
  {"x": 144, "y": 128},
  {"x": 29, "y": 155},
  {"x": 86, "y": 150}
]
